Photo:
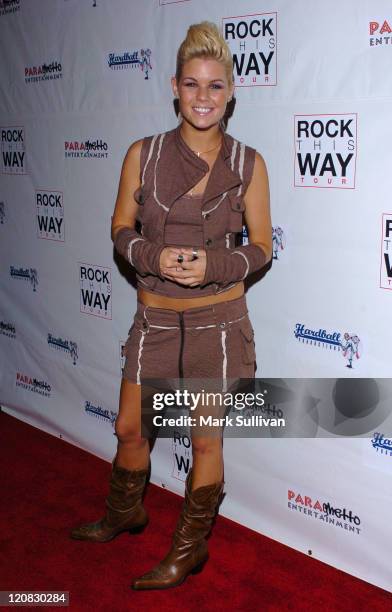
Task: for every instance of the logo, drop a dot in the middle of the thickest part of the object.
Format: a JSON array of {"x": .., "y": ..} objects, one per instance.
[
  {"x": 131, "y": 59},
  {"x": 181, "y": 446},
  {"x": 325, "y": 150},
  {"x": 13, "y": 150},
  {"x": 2, "y": 213},
  {"x": 9, "y": 6},
  {"x": 7, "y": 329},
  {"x": 45, "y": 72},
  {"x": 323, "y": 511},
  {"x": 50, "y": 215},
  {"x": 278, "y": 241},
  {"x": 33, "y": 384},
  {"x": 253, "y": 43},
  {"x": 350, "y": 345},
  {"x": 64, "y": 345},
  {"x": 378, "y": 33},
  {"x": 103, "y": 414},
  {"x": 95, "y": 290},
  {"x": 381, "y": 444},
  {"x": 122, "y": 355},
  {"x": 29, "y": 274},
  {"x": 386, "y": 250},
  {"x": 88, "y": 148},
  {"x": 244, "y": 236}
]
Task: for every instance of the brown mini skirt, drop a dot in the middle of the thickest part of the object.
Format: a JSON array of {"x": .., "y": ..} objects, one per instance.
[{"x": 207, "y": 342}]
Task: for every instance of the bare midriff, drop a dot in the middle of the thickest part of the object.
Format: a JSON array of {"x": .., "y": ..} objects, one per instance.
[{"x": 156, "y": 300}]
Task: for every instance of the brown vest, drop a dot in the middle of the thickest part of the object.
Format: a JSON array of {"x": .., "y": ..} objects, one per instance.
[{"x": 168, "y": 170}]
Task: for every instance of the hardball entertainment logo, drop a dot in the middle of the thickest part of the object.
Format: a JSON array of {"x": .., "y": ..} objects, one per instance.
[
  {"x": 278, "y": 241},
  {"x": 325, "y": 150},
  {"x": 97, "y": 148},
  {"x": 140, "y": 59},
  {"x": 323, "y": 511},
  {"x": 33, "y": 384},
  {"x": 50, "y": 214},
  {"x": 348, "y": 344},
  {"x": 381, "y": 444},
  {"x": 13, "y": 159},
  {"x": 379, "y": 33},
  {"x": 7, "y": 329},
  {"x": 102, "y": 414},
  {"x": 9, "y": 6},
  {"x": 29, "y": 274},
  {"x": 95, "y": 290},
  {"x": 2, "y": 213},
  {"x": 44, "y": 72},
  {"x": 253, "y": 43},
  {"x": 386, "y": 252},
  {"x": 69, "y": 347}
]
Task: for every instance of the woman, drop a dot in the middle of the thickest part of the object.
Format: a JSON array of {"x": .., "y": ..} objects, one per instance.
[{"x": 189, "y": 188}]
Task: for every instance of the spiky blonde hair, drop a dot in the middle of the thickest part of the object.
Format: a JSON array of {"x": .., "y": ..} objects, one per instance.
[{"x": 205, "y": 40}]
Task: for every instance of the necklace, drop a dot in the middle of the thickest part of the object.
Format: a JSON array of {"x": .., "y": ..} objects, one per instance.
[{"x": 198, "y": 153}]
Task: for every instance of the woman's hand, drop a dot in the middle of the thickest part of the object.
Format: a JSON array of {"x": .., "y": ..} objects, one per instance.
[{"x": 190, "y": 272}]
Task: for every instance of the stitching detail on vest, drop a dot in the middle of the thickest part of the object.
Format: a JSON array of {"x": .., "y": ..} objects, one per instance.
[
  {"x": 149, "y": 157},
  {"x": 226, "y": 288},
  {"x": 205, "y": 212},
  {"x": 130, "y": 249},
  {"x": 241, "y": 166},
  {"x": 155, "y": 173},
  {"x": 233, "y": 152},
  {"x": 247, "y": 262},
  {"x": 240, "y": 170}
]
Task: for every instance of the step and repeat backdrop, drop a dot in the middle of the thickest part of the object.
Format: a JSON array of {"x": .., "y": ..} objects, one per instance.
[{"x": 80, "y": 81}]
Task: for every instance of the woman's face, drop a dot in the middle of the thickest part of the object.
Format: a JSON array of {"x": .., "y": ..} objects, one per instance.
[{"x": 203, "y": 91}]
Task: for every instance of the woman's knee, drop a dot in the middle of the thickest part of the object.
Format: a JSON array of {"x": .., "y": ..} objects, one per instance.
[
  {"x": 129, "y": 433},
  {"x": 206, "y": 445}
]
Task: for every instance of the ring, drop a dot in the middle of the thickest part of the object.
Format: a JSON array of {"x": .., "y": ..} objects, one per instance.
[
  {"x": 195, "y": 252},
  {"x": 180, "y": 258}
]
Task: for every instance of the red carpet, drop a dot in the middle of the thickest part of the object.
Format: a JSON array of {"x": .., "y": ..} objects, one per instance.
[{"x": 50, "y": 486}]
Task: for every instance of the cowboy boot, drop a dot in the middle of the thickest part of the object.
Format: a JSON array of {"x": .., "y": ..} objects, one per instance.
[
  {"x": 189, "y": 550},
  {"x": 125, "y": 511}
]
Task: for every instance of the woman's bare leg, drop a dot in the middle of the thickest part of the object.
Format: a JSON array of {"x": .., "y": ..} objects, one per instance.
[
  {"x": 207, "y": 449},
  {"x": 133, "y": 451}
]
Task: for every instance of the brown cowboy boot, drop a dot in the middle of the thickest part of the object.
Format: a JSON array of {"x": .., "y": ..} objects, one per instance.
[
  {"x": 189, "y": 550},
  {"x": 125, "y": 511}
]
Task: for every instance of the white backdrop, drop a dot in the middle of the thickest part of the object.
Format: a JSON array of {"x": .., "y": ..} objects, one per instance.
[{"x": 81, "y": 80}]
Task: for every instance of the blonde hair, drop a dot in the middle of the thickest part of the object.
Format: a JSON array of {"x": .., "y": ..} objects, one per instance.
[{"x": 205, "y": 40}]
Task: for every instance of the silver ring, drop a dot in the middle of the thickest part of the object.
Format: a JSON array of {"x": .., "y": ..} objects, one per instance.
[{"x": 195, "y": 252}]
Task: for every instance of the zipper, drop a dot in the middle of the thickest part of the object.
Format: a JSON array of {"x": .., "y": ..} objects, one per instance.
[{"x": 180, "y": 366}]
